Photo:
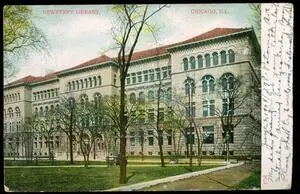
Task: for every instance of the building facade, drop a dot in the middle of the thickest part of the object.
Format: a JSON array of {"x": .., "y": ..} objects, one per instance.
[{"x": 206, "y": 60}]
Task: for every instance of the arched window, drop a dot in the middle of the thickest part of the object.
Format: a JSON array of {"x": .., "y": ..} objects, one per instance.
[
  {"x": 84, "y": 99},
  {"x": 52, "y": 107},
  {"x": 200, "y": 61},
  {"x": 46, "y": 109},
  {"x": 69, "y": 86},
  {"x": 151, "y": 96},
  {"x": 193, "y": 62},
  {"x": 36, "y": 110},
  {"x": 215, "y": 58},
  {"x": 10, "y": 112},
  {"x": 169, "y": 94},
  {"x": 231, "y": 56},
  {"x": 73, "y": 85},
  {"x": 207, "y": 60},
  {"x": 132, "y": 98},
  {"x": 18, "y": 112},
  {"x": 19, "y": 98},
  {"x": 99, "y": 80},
  {"x": 91, "y": 83},
  {"x": 189, "y": 85},
  {"x": 141, "y": 97},
  {"x": 41, "y": 110},
  {"x": 223, "y": 57},
  {"x": 208, "y": 83},
  {"x": 81, "y": 83},
  {"x": 185, "y": 64},
  {"x": 77, "y": 84},
  {"x": 227, "y": 81},
  {"x": 95, "y": 81},
  {"x": 86, "y": 83}
]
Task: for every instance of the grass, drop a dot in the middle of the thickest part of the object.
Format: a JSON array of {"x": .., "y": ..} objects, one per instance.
[
  {"x": 84, "y": 179},
  {"x": 252, "y": 181}
]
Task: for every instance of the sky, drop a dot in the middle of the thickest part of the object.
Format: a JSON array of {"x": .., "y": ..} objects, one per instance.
[{"x": 83, "y": 32}]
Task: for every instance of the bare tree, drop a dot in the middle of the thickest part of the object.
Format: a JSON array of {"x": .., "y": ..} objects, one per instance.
[
  {"x": 131, "y": 20},
  {"x": 66, "y": 119}
]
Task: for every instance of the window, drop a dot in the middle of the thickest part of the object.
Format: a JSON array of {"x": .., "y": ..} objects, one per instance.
[
  {"x": 151, "y": 75},
  {"x": 99, "y": 80},
  {"x": 95, "y": 81},
  {"x": 190, "y": 112},
  {"x": 215, "y": 58},
  {"x": 165, "y": 72},
  {"x": 189, "y": 135},
  {"x": 230, "y": 130},
  {"x": 151, "y": 115},
  {"x": 160, "y": 138},
  {"x": 223, "y": 57},
  {"x": 208, "y": 83},
  {"x": 86, "y": 82},
  {"x": 133, "y": 76},
  {"x": 169, "y": 137},
  {"x": 208, "y": 136},
  {"x": 227, "y": 81},
  {"x": 10, "y": 112},
  {"x": 200, "y": 61},
  {"x": 189, "y": 87},
  {"x": 231, "y": 56},
  {"x": 228, "y": 106},
  {"x": 185, "y": 64},
  {"x": 169, "y": 94},
  {"x": 81, "y": 83},
  {"x": 207, "y": 60},
  {"x": 73, "y": 85},
  {"x": 169, "y": 71},
  {"x": 48, "y": 92},
  {"x": 150, "y": 137},
  {"x": 142, "y": 97},
  {"x": 132, "y": 98},
  {"x": 132, "y": 139},
  {"x": 157, "y": 73},
  {"x": 91, "y": 83},
  {"x": 208, "y": 108},
  {"x": 193, "y": 62},
  {"x": 139, "y": 77},
  {"x": 145, "y": 76},
  {"x": 161, "y": 115},
  {"x": 18, "y": 112},
  {"x": 128, "y": 79},
  {"x": 52, "y": 93},
  {"x": 150, "y": 96},
  {"x": 56, "y": 91}
]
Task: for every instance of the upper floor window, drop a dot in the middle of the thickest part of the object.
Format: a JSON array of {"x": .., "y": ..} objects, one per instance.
[
  {"x": 165, "y": 72},
  {"x": 227, "y": 81},
  {"x": 73, "y": 85},
  {"x": 169, "y": 94},
  {"x": 95, "y": 81},
  {"x": 208, "y": 108},
  {"x": 86, "y": 82},
  {"x": 157, "y": 73},
  {"x": 99, "y": 80},
  {"x": 193, "y": 62},
  {"x": 128, "y": 79},
  {"x": 81, "y": 83},
  {"x": 223, "y": 57},
  {"x": 208, "y": 83},
  {"x": 185, "y": 64},
  {"x": 190, "y": 109},
  {"x": 77, "y": 84},
  {"x": 189, "y": 87},
  {"x": 207, "y": 60},
  {"x": 151, "y": 75},
  {"x": 200, "y": 61},
  {"x": 139, "y": 77},
  {"x": 10, "y": 112},
  {"x": 91, "y": 83},
  {"x": 133, "y": 78},
  {"x": 231, "y": 56},
  {"x": 145, "y": 76},
  {"x": 18, "y": 112},
  {"x": 215, "y": 58}
]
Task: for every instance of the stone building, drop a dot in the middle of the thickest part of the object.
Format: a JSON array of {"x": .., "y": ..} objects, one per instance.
[{"x": 192, "y": 70}]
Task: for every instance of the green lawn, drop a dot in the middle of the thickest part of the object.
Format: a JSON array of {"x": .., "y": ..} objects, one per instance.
[
  {"x": 83, "y": 179},
  {"x": 252, "y": 181}
]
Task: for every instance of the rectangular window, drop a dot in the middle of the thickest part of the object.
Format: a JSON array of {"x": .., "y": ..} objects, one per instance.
[
  {"x": 150, "y": 140},
  {"x": 165, "y": 72},
  {"x": 205, "y": 108},
  {"x": 208, "y": 134},
  {"x": 230, "y": 134},
  {"x": 151, "y": 115},
  {"x": 128, "y": 79},
  {"x": 139, "y": 77},
  {"x": 157, "y": 74},
  {"x": 133, "y": 78},
  {"x": 132, "y": 141},
  {"x": 169, "y": 139},
  {"x": 212, "y": 108},
  {"x": 145, "y": 76},
  {"x": 151, "y": 75},
  {"x": 161, "y": 115},
  {"x": 190, "y": 138}
]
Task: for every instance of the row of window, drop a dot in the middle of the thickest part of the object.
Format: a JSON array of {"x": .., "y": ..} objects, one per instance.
[
  {"x": 41, "y": 110},
  {"x": 85, "y": 83},
  {"x": 12, "y": 97},
  {"x": 12, "y": 127},
  {"x": 149, "y": 75},
  {"x": 217, "y": 58},
  {"x": 208, "y": 84},
  {"x": 164, "y": 95},
  {"x": 11, "y": 112},
  {"x": 45, "y": 94}
]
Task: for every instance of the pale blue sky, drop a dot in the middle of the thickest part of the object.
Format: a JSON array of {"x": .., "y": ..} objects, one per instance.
[{"x": 76, "y": 38}]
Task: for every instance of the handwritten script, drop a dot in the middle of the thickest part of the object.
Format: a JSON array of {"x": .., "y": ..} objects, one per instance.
[{"x": 277, "y": 95}]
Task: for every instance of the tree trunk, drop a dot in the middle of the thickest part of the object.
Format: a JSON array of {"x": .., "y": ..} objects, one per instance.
[
  {"x": 123, "y": 123},
  {"x": 94, "y": 150},
  {"x": 71, "y": 148},
  {"x": 191, "y": 148},
  {"x": 142, "y": 149},
  {"x": 161, "y": 153}
]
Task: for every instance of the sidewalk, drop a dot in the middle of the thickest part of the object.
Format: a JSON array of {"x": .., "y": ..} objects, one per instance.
[{"x": 164, "y": 181}]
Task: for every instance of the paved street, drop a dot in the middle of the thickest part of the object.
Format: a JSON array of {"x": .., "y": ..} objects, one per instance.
[{"x": 219, "y": 180}]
